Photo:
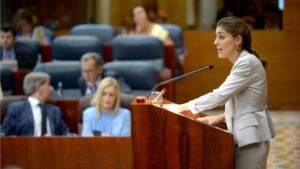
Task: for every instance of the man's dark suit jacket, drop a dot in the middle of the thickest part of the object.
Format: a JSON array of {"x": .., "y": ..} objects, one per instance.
[
  {"x": 125, "y": 88},
  {"x": 19, "y": 120},
  {"x": 25, "y": 57}
]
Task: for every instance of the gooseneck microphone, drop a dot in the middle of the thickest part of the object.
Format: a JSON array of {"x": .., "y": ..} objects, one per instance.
[{"x": 181, "y": 77}]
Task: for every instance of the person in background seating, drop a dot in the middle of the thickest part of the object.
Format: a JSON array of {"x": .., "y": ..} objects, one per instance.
[
  {"x": 26, "y": 23},
  {"x": 34, "y": 116},
  {"x": 10, "y": 51},
  {"x": 143, "y": 24},
  {"x": 106, "y": 117},
  {"x": 92, "y": 74}
]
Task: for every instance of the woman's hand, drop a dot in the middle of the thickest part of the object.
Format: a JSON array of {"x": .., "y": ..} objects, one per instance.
[
  {"x": 176, "y": 108},
  {"x": 212, "y": 120},
  {"x": 104, "y": 135}
]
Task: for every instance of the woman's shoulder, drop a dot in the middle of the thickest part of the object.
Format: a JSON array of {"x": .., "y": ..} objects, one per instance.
[
  {"x": 90, "y": 111},
  {"x": 250, "y": 59},
  {"x": 123, "y": 111},
  {"x": 158, "y": 27}
]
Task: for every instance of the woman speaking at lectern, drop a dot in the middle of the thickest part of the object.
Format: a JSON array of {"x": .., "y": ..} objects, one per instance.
[{"x": 244, "y": 93}]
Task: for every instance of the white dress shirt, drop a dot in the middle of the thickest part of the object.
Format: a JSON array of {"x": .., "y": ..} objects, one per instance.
[
  {"x": 92, "y": 88},
  {"x": 37, "y": 117}
]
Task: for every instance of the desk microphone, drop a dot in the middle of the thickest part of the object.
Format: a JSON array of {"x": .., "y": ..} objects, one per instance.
[{"x": 181, "y": 77}]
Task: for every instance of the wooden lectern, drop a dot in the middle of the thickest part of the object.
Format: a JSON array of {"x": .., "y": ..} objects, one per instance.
[{"x": 165, "y": 140}]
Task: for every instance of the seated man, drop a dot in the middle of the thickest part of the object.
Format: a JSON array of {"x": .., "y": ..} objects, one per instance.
[
  {"x": 92, "y": 73},
  {"x": 34, "y": 117},
  {"x": 12, "y": 52}
]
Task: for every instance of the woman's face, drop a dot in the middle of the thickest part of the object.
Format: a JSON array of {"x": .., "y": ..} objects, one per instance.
[
  {"x": 226, "y": 44},
  {"x": 25, "y": 27},
  {"x": 139, "y": 15},
  {"x": 108, "y": 98}
]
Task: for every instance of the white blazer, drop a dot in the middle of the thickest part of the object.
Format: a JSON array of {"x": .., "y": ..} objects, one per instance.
[{"x": 244, "y": 93}]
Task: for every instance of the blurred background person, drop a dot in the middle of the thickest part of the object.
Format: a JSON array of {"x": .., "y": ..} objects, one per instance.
[
  {"x": 34, "y": 116},
  {"x": 106, "y": 117},
  {"x": 26, "y": 24},
  {"x": 92, "y": 73},
  {"x": 143, "y": 23},
  {"x": 10, "y": 51}
]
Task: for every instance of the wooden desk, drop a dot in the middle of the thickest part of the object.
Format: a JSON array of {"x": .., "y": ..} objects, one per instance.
[
  {"x": 66, "y": 152},
  {"x": 165, "y": 140}
]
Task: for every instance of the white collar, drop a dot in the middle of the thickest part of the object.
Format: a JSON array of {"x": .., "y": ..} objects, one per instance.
[{"x": 33, "y": 101}]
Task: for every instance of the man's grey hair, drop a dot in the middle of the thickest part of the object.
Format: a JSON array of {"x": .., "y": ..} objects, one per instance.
[
  {"x": 95, "y": 56},
  {"x": 33, "y": 80}
]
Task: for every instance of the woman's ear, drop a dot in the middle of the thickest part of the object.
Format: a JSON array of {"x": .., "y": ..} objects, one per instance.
[{"x": 238, "y": 40}]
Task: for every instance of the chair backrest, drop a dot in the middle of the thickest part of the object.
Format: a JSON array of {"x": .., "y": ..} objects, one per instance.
[
  {"x": 140, "y": 76},
  {"x": 176, "y": 34},
  {"x": 6, "y": 101},
  {"x": 66, "y": 72},
  {"x": 6, "y": 81},
  {"x": 33, "y": 45},
  {"x": 49, "y": 34},
  {"x": 72, "y": 47},
  {"x": 103, "y": 31},
  {"x": 139, "y": 48}
]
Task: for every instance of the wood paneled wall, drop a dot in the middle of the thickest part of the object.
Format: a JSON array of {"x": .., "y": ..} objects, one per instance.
[
  {"x": 120, "y": 11},
  {"x": 176, "y": 11},
  {"x": 291, "y": 15}
]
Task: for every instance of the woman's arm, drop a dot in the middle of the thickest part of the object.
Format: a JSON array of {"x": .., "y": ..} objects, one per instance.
[
  {"x": 168, "y": 41},
  {"x": 213, "y": 120},
  {"x": 86, "y": 125}
]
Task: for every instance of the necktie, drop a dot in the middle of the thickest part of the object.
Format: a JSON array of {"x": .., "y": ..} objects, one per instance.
[
  {"x": 44, "y": 118},
  {"x": 93, "y": 88},
  {"x": 7, "y": 56}
]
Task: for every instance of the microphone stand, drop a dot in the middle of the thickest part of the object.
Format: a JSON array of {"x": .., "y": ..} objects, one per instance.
[{"x": 180, "y": 77}]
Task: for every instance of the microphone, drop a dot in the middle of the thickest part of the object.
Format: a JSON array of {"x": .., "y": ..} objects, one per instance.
[{"x": 181, "y": 77}]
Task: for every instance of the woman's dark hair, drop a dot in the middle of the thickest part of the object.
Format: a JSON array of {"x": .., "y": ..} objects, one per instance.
[
  {"x": 236, "y": 26},
  {"x": 24, "y": 14},
  {"x": 150, "y": 14}
]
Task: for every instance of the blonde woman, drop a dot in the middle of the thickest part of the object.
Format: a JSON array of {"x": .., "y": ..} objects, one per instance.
[{"x": 106, "y": 117}]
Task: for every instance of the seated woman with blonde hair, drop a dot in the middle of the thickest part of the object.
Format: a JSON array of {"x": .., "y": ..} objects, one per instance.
[
  {"x": 106, "y": 117},
  {"x": 143, "y": 24}
]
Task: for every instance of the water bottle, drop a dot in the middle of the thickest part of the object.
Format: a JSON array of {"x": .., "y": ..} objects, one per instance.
[{"x": 60, "y": 90}]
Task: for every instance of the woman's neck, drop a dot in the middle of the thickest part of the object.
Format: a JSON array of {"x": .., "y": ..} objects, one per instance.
[
  {"x": 26, "y": 34},
  {"x": 145, "y": 28},
  {"x": 234, "y": 57},
  {"x": 107, "y": 110}
]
